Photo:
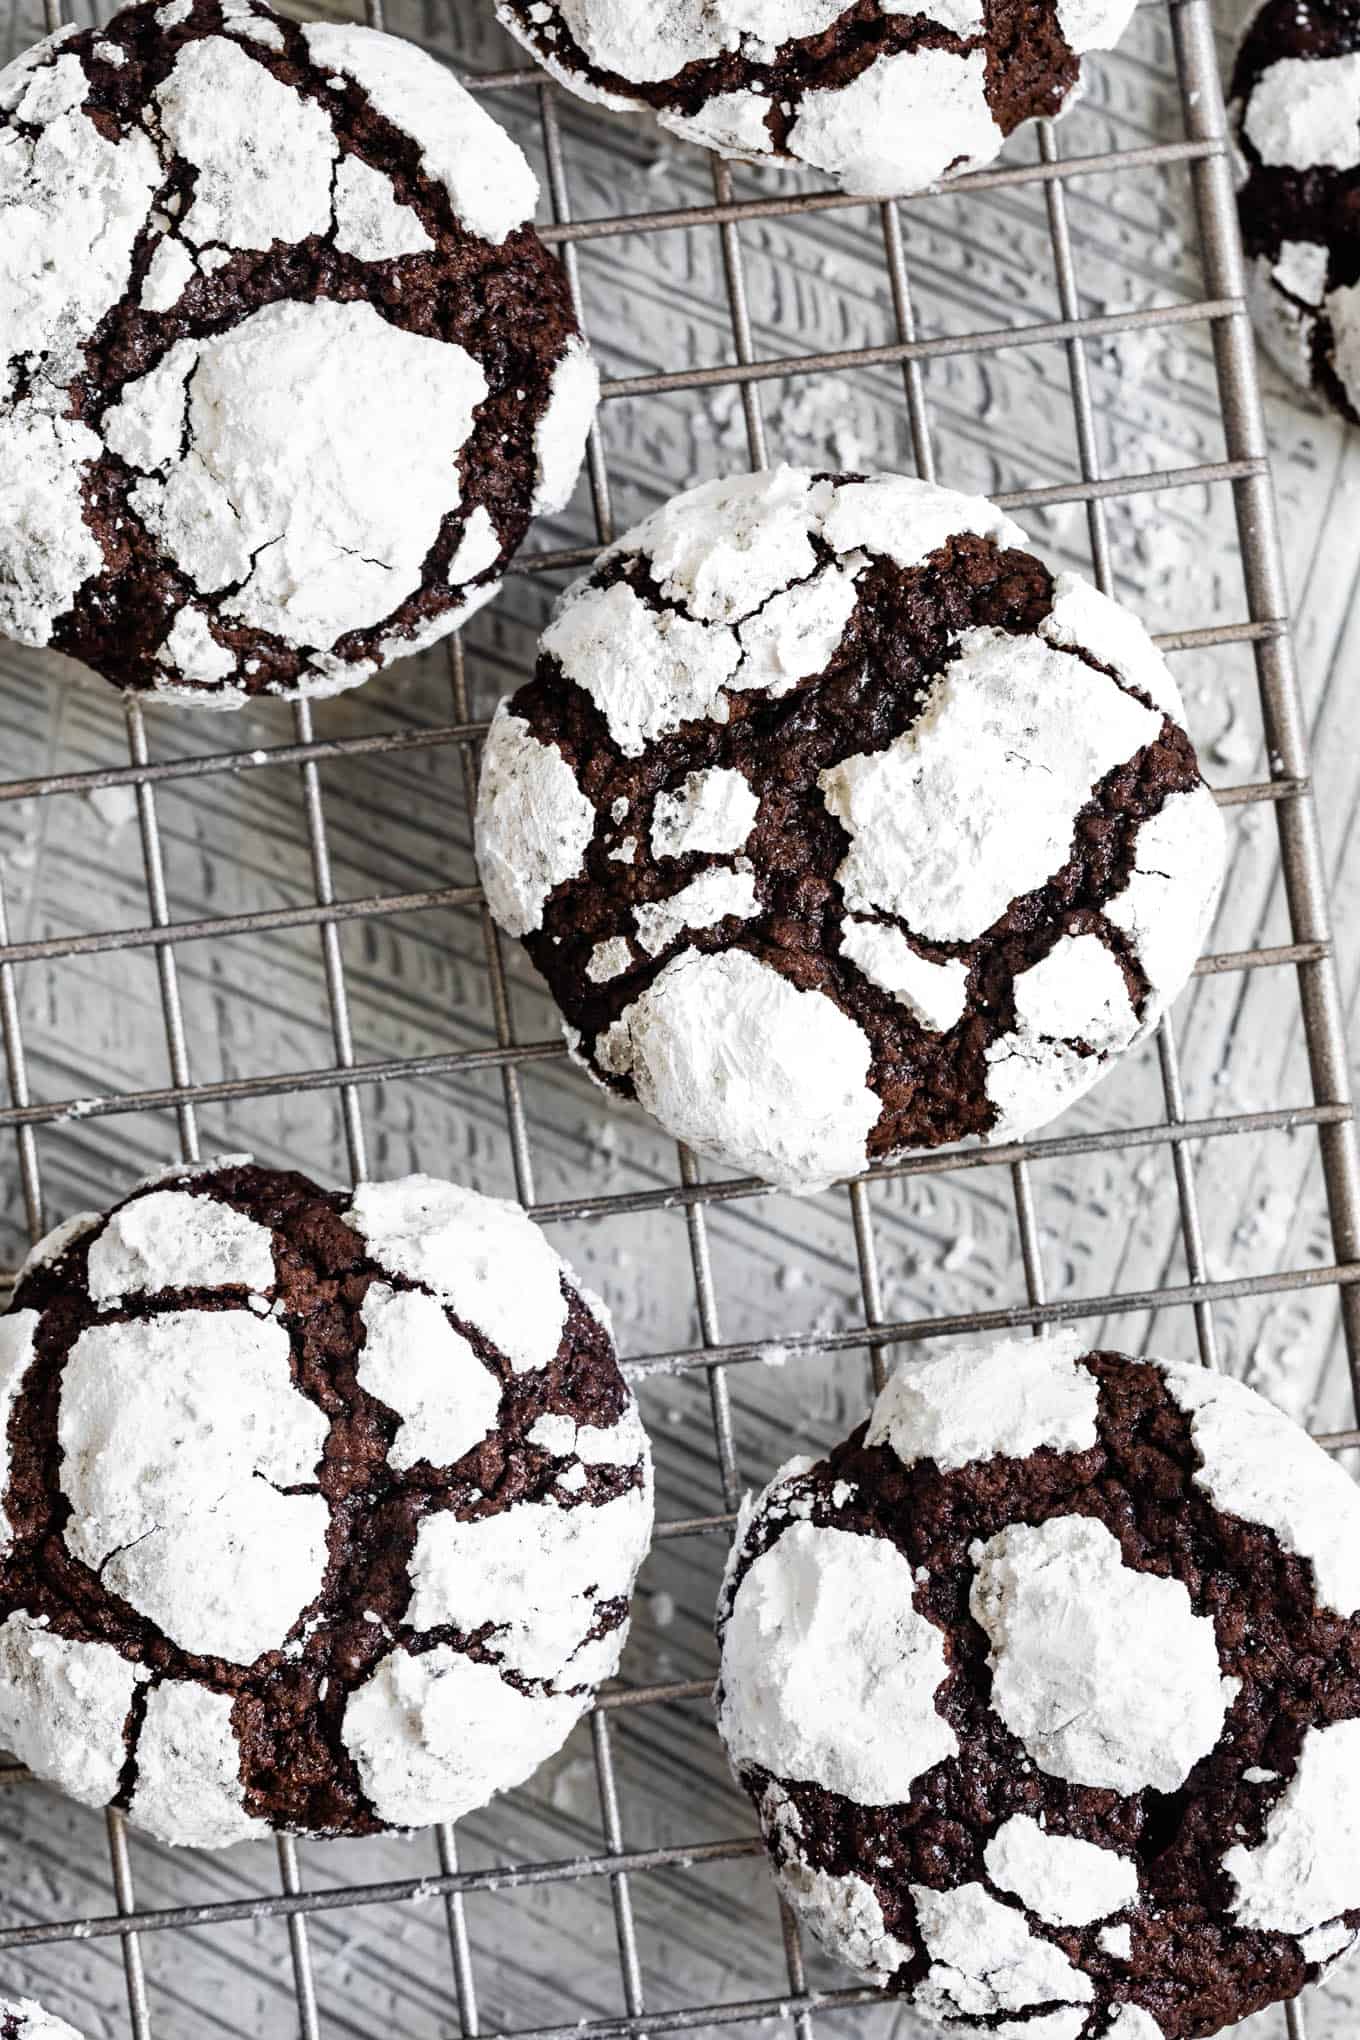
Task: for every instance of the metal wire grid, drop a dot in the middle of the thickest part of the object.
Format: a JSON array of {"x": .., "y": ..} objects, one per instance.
[{"x": 1287, "y": 791}]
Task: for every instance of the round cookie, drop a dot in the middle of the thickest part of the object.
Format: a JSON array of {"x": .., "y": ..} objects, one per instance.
[
  {"x": 1046, "y": 1686},
  {"x": 321, "y": 1510},
  {"x": 840, "y": 827},
  {"x": 882, "y": 96},
  {"x": 21, "y": 2019},
  {"x": 286, "y": 372},
  {"x": 1296, "y": 120}
]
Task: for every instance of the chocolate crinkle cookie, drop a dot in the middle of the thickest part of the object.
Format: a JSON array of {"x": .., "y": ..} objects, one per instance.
[
  {"x": 839, "y": 826},
  {"x": 883, "y": 96},
  {"x": 21, "y": 2019},
  {"x": 1046, "y": 1686},
  {"x": 321, "y": 1510},
  {"x": 285, "y": 373},
  {"x": 1296, "y": 119}
]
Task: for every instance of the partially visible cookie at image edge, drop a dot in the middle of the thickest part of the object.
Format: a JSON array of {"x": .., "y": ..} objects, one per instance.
[
  {"x": 839, "y": 826},
  {"x": 1296, "y": 122},
  {"x": 885, "y": 98},
  {"x": 22, "y": 2019},
  {"x": 286, "y": 371},
  {"x": 320, "y": 1511},
  {"x": 1046, "y": 1687}
]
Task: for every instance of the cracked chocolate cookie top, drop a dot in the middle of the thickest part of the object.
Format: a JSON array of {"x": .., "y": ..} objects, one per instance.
[
  {"x": 883, "y": 96},
  {"x": 1046, "y": 1686},
  {"x": 1296, "y": 117},
  {"x": 284, "y": 371},
  {"x": 839, "y": 826},
  {"x": 321, "y": 1509},
  {"x": 21, "y": 2019}
]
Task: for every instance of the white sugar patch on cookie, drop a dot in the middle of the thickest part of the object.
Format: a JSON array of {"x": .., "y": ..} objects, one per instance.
[
  {"x": 714, "y": 809},
  {"x": 977, "y": 802},
  {"x": 478, "y": 548},
  {"x": 1073, "y": 1013},
  {"x": 53, "y": 1245},
  {"x": 17, "y": 1353},
  {"x": 1256, "y": 1464},
  {"x": 177, "y": 1434},
  {"x": 46, "y": 548},
  {"x": 172, "y": 1240},
  {"x": 1343, "y": 309},
  {"x": 168, "y": 274},
  {"x": 977, "y": 1402},
  {"x": 560, "y": 434},
  {"x": 1304, "y": 113},
  {"x": 483, "y": 1258},
  {"x": 985, "y": 1958},
  {"x": 371, "y": 222},
  {"x": 1071, "y": 1627},
  {"x": 1131, "y": 2022},
  {"x": 620, "y": 1444},
  {"x": 935, "y": 994},
  {"x": 413, "y": 1360},
  {"x": 797, "y": 633},
  {"x": 261, "y": 470},
  {"x": 264, "y": 155},
  {"x": 1093, "y": 24},
  {"x": 846, "y": 1915},
  {"x": 724, "y": 548},
  {"x": 733, "y": 123},
  {"x": 537, "y": 1572},
  {"x": 534, "y": 824},
  {"x": 1167, "y": 905},
  {"x": 64, "y": 1707},
  {"x": 829, "y": 1671},
  {"x": 712, "y": 897},
  {"x": 1081, "y": 618},
  {"x": 191, "y": 650},
  {"x": 1062, "y": 1879},
  {"x": 189, "y": 1770},
  {"x": 28, "y": 2021},
  {"x": 738, "y": 1062},
  {"x": 903, "y": 519},
  {"x": 1307, "y": 1869},
  {"x": 609, "y": 959},
  {"x": 491, "y": 188},
  {"x": 75, "y": 203},
  {"x": 1301, "y": 269},
  {"x": 434, "y": 1736},
  {"x": 900, "y": 124},
  {"x": 647, "y": 670}
]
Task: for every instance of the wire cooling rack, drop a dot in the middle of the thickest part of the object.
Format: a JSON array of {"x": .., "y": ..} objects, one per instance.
[{"x": 301, "y": 1905}]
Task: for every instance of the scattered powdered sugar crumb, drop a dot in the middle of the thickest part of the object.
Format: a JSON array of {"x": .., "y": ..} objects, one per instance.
[
  {"x": 178, "y": 1433},
  {"x": 734, "y": 1059},
  {"x": 714, "y": 809},
  {"x": 1255, "y": 1463},
  {"x": 413, "y": 1360},
  {"x": 975, "y": 1401},
  {"x": 173, "y": 1240},
  {"x": 1117, "y": 1942},
  {"x": 935, "y": 994},
  {"x": 1304, "y": 112},
  {"x": 481, "y": 1256},
  {"x": 534, "y": 824},
  {"x": 609, "y": 959},
  {"x": 1307, "y": 1869},
  {"x": 1070, "y": 1626},
  {"x": 708, "y": 899},
  {"x": 1064, "y": 1880},
  {"x": 829, "y": 1671},
  {"x": 189, "y": 1770}
]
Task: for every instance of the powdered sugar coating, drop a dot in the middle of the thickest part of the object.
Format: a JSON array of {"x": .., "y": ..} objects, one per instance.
[
  {"x": 736, "y": 1061},
  {"x": 1307, "y": 1869},
  {"x": 1059, "y": 1606},
  {"x": 172, "y": 1240},
  {"x": 1257, "y": 1464},
  {"x": 64, "y": 1707},
  {"x": 188, "y": 1770},
  {"x": 182, "y": 1431},
  {"x": 985, "y": 1958},
  {"x": 829, "y": 1669},
  {"x": 844, "y": 1913},
  {"x": 28, "y": 2021},
  {"x": 1343, "y": 310},
  {"x": 768, "y": 83},
  {"x": 972, "y": 1402},
  {"x": 414, "y": 1361},
  {"x": 959, "y": 815},
  {"x": 537, "y": 823},
  {"x": 459, "y": 1246},
  {"x": 963, "y": 810},
  {"x": 1066, "y": 1881},
  {"x": 1306, "y": 112},
  {"x": 250, "y": 513},
  {"x": 436, "y": 1735}
]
